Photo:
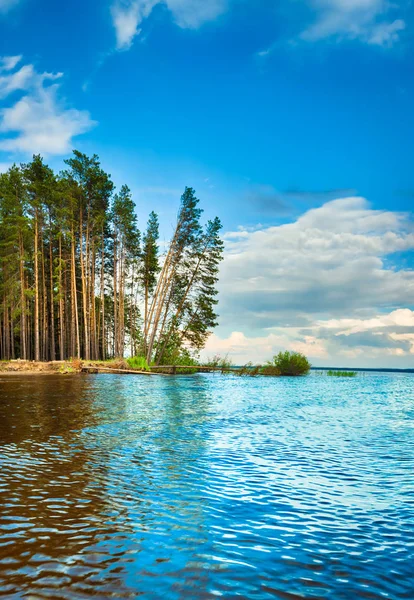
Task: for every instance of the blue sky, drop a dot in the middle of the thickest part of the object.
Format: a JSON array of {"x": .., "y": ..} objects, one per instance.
[{"x": 278, "y": 113}]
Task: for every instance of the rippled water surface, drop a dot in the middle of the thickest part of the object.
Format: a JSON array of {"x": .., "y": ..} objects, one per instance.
[{"x": 206, "y": 486}]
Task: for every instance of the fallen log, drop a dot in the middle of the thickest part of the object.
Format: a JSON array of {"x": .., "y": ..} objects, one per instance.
[{"x": 121, "y": 371}]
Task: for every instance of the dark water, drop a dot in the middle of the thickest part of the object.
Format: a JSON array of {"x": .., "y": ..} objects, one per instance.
[{"x": 122, "y": 487}]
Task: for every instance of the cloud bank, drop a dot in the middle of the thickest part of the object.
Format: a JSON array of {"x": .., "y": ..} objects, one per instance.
[{"x": 325, "y": 284}]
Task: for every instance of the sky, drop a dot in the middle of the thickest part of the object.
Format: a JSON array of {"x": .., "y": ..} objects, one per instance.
[{"x": 293, "y": 121}]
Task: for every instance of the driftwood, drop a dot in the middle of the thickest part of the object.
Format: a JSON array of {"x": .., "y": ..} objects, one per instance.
[
  {"x": 154, "y": 371},
  {"x": 121, "y": 371}
]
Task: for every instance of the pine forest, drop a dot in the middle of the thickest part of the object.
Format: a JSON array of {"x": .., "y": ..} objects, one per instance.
[{"x": 79, "y": 279}]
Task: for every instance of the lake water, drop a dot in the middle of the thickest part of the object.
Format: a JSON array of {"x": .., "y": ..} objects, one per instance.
[{"x": 207, "y": 486}]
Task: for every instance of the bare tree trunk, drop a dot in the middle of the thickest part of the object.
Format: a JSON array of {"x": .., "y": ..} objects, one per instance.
[
  {"x": 12, "y": 330},
  {"x": 36, "y": 295},
  {"x": 92, "y": 304},
  {"x": 116, "y": 349},
  {"x": 131, "y": 315},
  {"x": 165, "y": 289},
  {"x": 61, "y": 306},
  {"x": 52, "y": 302},
  {"x": 75, "y": 315},
  {"x": 183, "y": 299},
  {"x": 23, "y": 345},
  {"x": 121, "y": 316},
  {"x": 160, "y": 294},
  {"x": 84, "y": 294},
  {"x": 103, "y": 296},
  {"x": 45, "y": 336}
]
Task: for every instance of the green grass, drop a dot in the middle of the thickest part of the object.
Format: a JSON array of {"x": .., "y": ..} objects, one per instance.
[
  {"x": 139, "y": 363},
  {"x": 342, "y": 373}
]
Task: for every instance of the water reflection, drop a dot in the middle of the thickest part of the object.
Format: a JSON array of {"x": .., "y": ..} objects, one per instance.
[{"x": 194, "y": 487}]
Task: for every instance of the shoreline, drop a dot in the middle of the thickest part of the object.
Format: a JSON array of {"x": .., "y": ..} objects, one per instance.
[
  {"x": 28, "y": 367},
  {"x": 70, "y": 367}
]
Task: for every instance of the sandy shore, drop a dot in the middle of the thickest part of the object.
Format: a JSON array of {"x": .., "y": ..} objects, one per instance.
[{"x": 27, "y": 367}]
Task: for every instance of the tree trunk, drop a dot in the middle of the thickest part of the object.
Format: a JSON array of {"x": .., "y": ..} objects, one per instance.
[
  {"x": 116, "y": 349},
  {"x": 36, "y": 295},
  {"x": 103, "y": 296},
  {"x": 52, "y": 302},
  {"x": 61, "y": 306},
  {"x": 84, "y": 294},
  {"x": 75, "y": 316},
  {"x": 23, "y": 339},
  {"x": 45, "y": 336}
]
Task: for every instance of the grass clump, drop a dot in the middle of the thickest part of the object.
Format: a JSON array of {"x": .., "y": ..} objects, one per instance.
[
  {"x": 68, "y": 368},
  {"x": 138, "y": 363},
  {"x": 342, "y": 373},
  {"x": 287, "y": 364}
]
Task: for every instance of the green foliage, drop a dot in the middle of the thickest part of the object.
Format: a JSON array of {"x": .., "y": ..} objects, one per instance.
[
  {"x": 124, "y": 220},
  {"x": 75, "y": 279},
  {"x": 219, "y": 362},
  {"x": 150, "y": 263},
  {"x": 188, "y": 306},
  {"x": 176, "y": 355},
  {"x": 138, "y": 363},
  {"x": 185, "y": 358},
  {"x": 248, "y": 370},
  {"x": 342, "y": 373},
  {"x": 270, "y": 370},
  {"x": 290, "y": 363}
]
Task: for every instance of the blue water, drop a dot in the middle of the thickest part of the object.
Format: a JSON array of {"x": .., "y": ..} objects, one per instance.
[{"x": 207, "y": 486}]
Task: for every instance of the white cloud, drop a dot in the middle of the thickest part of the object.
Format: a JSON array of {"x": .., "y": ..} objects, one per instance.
[
  {"x": 386, "y": 34},
  {"x": 127, "y": 15},
  {"x": 324, "y": 284},
  {"x": 194, "y": 13},
  {"x": 242, "y": 348},
  {"x": 328, "y": 350},
  {"x": 38, "y": 121},
  {"x": 7, "y": 63},
  {"x": 402, "y": 317},
  {"x": 19, "y": 80},
  {"x": 369, "y": 21}
]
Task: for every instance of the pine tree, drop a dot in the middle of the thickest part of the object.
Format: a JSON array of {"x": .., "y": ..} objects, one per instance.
[
  {"x": 93, "y": 189},
  {"x": 126, "y": 250},
  {"x": 149, "y": 265}
]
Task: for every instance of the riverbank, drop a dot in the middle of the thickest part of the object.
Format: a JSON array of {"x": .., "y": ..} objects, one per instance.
[
  {"x": 91, "y": 367},
  {"x": 74, "y": 366},
  {"x": 29, "y": 367}
]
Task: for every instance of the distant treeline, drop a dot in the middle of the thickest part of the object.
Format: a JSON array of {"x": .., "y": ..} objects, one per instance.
[{"x": 78, "y": 279}]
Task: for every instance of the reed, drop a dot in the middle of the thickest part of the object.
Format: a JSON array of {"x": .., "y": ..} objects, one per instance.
[{"x": 342, "y": 373}]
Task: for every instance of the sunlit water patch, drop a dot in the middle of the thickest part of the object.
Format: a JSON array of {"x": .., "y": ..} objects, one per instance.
[{"x": 207, "y": 486}]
